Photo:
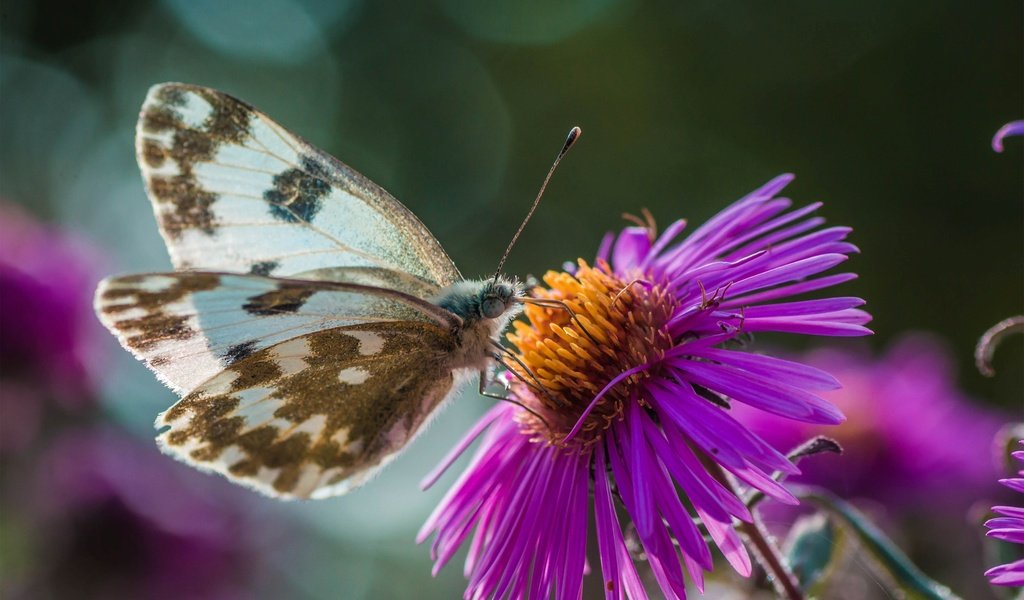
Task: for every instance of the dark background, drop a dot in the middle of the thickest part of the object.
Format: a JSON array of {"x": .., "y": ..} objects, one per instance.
[{"x": 884, "y": 110}]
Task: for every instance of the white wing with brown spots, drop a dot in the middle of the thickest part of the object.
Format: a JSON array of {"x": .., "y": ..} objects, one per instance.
[
  {"x": 318, "y": 415},
  {"x": 326, "y": 324},
  {"x": 190, "y": 326},
  {"x": 234, "y": 191}
]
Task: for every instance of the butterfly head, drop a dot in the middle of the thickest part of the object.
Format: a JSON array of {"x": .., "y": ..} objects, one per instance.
[
  {"x": 488, "y": 300},
  {"x": 497, "y": 296}
]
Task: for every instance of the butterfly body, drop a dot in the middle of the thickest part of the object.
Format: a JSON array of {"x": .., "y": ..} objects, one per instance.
[{"x": 313, "y": 325}]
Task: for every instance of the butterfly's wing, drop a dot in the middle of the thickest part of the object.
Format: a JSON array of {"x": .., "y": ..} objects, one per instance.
[
  {"x": 317, "y": 415},
  {"x": 189, "y": 326},
  {"x": 234, "y": 191}
]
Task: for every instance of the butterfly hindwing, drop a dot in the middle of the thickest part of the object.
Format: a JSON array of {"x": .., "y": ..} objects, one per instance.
[
  {"x": 317, "y": 415},
  {"x": 234, "y": 191},
  {"x": 189, "y": 326}
]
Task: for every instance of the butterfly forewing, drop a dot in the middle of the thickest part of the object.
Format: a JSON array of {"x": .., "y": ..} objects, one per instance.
[
  {"x": 189, "y": 326},
  {"x": 316, "y": 415},
  {"x": 234, "y": 191}
]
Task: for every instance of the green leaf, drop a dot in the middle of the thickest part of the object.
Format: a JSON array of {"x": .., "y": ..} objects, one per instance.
[
  {"x": 911, "y": 581},
  {"x": 811, "y": 548}
]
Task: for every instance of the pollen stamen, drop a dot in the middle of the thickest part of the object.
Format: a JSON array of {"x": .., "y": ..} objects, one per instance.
[{"x": 591, "y": 342}]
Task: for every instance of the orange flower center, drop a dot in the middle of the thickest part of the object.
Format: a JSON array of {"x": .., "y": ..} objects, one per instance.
[{"x": 604, "y": 327}]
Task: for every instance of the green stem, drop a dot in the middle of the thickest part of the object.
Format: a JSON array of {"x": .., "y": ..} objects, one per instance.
[{"x": 771, "y": 559}]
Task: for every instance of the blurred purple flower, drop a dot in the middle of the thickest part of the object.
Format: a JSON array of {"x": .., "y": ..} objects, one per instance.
[
  {"x": 50, "y": 343},
  {"x": 1010, "y": 129},
  {"x": 634, "y": 385},
  {"x": 1009, "y": 527},
  {"x": 902, "y": 411},
  {"x": 115, "y": 519}
]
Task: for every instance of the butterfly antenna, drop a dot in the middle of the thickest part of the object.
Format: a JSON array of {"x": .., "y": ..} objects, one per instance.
[{"x": 574, "y": 135}]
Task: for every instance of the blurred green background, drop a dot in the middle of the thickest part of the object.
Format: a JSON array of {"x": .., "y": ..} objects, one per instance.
[{"x": 883, "y": 110}]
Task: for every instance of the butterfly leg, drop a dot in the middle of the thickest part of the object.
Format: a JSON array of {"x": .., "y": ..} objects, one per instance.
[
  {"x": 631, "y": 284},
  {"x": 535, "y": 385},
  {"x": 485, "y": 375}
]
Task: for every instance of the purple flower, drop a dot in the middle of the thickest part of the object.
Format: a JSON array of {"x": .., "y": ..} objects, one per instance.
[
  {"x": 1009, "y": 527},
  {"x": 897, "y": 406},
  {"x": 627, "y": 369},
  {"x": 1010, "y": 129},
  {"x": 50, "y": 342},
  {"x": 115, "y": 519}
]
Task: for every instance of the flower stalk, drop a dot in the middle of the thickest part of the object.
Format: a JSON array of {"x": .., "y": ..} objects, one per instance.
[{"x": 768, "y": 554}]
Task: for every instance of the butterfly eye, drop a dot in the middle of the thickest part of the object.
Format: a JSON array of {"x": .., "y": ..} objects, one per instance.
[{"x": 492, "y": 307}]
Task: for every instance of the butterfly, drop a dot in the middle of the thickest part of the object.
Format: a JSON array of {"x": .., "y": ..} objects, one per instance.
[{"x": 312, "y": 325}]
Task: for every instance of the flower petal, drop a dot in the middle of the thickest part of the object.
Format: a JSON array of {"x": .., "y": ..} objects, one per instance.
[
  {"x": 687, "y": 472},
  {"x": 792, "y": 373},
  {"x": 479, "y": 427},
  {"x": 728, "y": 541},
  {"x": 1011, "y": 574},
  {"x": 631, "y": 248},
  {"x": 770, "y": 396},
  {"x": 575, "y": 562},
  {"x": 789, "y": 272},
  {"x": 714, "y": 431},
  {"x": 620, "y": 577},
  {"x": 656, "y": 542},
  {"x": 795, "y": 289}
]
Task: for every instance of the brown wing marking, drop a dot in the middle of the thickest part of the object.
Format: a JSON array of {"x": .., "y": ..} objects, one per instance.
[{"x": 317, "y": 415}]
